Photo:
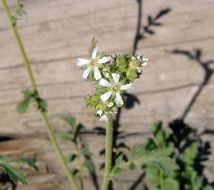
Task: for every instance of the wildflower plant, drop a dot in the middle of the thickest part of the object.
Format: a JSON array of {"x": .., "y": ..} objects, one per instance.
[{"x": 113, "y": 75}]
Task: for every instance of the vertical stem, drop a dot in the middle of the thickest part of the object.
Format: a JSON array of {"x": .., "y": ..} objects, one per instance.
[
  {"x": 34, "y": 87},
  {"x": 108, "y": 153},
  {"x": 80, "y": 165}
]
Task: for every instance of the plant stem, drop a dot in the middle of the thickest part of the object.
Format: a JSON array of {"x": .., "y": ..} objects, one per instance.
[
  {"x": 108, "y": 152},
  {"x": 80, "y": 165},
  {"x": 34, "y": 87}
]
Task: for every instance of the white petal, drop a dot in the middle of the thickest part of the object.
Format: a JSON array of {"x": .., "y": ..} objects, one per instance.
[
  {"x": 81, "y": 62},
  {"x": 126, "y": 86},
  {"x": 144, "y": 63},
  {"x": 145, "y": 59},
  {"x": 99, "y": 112},
  {"x": 97, "y": 74},
  {"x": 118, "y": 100},
  {"x": 116, "y": 77},
  {"x": 94, "y": 53},
  {"x": 104, "y": 118},
  {"x": 110, "y": 104},
  {"x": 106, "y": 96},
  {"x": 86, "y": 73},
  {"x": 104, "y": 60},
  {"x": 104, "y": 82}
]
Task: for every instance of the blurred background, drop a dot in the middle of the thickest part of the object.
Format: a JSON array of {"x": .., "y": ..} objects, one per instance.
[{"x": 176, "y": 86}]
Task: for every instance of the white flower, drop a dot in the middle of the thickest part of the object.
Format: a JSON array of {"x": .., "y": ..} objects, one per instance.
[
  {"x": 92, "y": 64},
  {"x": 115, "y": 89}
]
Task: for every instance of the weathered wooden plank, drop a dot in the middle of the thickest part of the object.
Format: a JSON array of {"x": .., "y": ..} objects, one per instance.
[{"x": 55, "y": 33}]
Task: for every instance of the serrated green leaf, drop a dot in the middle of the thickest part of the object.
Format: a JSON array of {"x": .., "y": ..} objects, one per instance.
[
  {"x": 15, "y": 175},
  {"x": 27, "y": 98},
  {"x": 139, "y": 157},
  {"x": 22, "y": 107},
  {"x": 190, "y": 153}
]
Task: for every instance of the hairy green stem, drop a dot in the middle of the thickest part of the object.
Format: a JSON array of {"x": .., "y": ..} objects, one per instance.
[
  {"x": 108, "y": 152},
  {"x": 80, "y": 165},
  {"x": 34, "y": 87}
]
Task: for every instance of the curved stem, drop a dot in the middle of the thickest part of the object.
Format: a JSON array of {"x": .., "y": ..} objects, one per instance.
[
  {"x": 108, "y": 152},
  {"x": 34, "y": 87}
]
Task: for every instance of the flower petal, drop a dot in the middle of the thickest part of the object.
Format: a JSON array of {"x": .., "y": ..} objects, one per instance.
[
  {"x": 104, "y": 118},
  {"x": 94, "y": 53},
  {"x": 144, "y": 61},
  {"x": 97, "y": 74},
  {"x": 104, "y": 60},
  {"x": 118, "y": 100},
  {"x": 104, "y": 82},
  {"x": 126, "y": 86},
  {"x": 116, "y": 77},
  {"x": 106, "y": 96},
  {"x": 86, "y": 73},
  {"x": 81, "y": 62}
]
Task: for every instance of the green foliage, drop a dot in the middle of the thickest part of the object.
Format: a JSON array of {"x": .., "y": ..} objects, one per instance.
[
  {"x": 15, "y": 175},
  {"x": 76, "y": 128},
  {"x": 81, "y": 155},
  {"x": 183, "y": 146},
  {"x": 19, "y": 11},
  {"x": 28, "y": 97},
  {"x": 113, "y": 75},
  {"x": 139, "y": 157}
]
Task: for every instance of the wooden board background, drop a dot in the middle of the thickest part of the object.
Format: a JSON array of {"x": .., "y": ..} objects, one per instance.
[{"x": 56, "y": 32}]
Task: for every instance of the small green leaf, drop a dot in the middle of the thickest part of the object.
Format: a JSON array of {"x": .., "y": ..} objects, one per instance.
[
  {"x": 27, "y": 98},
  {"x": 22, "y": 107},
  {"x": 115, "y": 172},
  {"x": 70, "y": 120},
  {"x": 89, "y": 165}
]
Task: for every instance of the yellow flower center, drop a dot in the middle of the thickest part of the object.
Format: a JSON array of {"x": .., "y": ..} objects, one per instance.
[
  {"x": 93, "y": 62},
  {"x": 116, "y": 88}
]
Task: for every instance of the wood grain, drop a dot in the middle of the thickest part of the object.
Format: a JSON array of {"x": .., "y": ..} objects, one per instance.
[{"x": 56, "y": 32}]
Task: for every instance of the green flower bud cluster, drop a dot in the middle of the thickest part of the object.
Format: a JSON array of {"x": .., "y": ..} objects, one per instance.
[{"x": 112, "y": 75}]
